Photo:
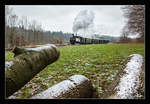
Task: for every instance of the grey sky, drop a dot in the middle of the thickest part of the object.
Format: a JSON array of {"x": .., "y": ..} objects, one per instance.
[{"x": 108, "y": 18}]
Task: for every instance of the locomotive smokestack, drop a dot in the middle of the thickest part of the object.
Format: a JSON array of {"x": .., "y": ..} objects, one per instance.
[{"x": 72, "y": 35}]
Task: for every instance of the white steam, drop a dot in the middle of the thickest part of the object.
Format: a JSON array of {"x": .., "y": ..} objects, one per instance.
[{"x": 83, "y": 23}]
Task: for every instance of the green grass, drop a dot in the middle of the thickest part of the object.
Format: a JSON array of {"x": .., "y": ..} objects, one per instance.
[
  {"x": 8, "y": 56},
  {"x": 94, "y": 61}
]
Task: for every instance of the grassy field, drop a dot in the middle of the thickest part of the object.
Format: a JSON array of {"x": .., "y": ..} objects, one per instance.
[{"x": 100, "y": 63}]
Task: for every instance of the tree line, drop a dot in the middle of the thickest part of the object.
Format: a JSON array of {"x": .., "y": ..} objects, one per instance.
[{"x": 21, "y": 31}]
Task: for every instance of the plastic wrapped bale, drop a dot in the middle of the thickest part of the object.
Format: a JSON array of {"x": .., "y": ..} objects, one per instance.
[
  {"x": 126, "y": 85},
  {"x": 76, "y": 86},
  {"x": 27, "y": 63}
]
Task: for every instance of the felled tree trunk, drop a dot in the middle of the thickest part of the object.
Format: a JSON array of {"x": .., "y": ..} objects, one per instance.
[
  {"x": 129, "y": 82},
  {"x": 27, "y": 63},
  {"x": 76, "y": 86}
]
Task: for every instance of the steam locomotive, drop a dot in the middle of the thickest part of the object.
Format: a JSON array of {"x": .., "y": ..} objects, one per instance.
[{"x": 82, "y": 40}]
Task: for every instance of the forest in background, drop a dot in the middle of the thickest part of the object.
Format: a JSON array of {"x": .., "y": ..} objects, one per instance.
[
  {"x": 20, "y": 37},
  {"x": 21, "y": 31}
]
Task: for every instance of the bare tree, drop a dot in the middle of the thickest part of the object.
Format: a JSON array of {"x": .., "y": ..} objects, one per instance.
[
  {"x": 32, "y": 26},
  {"x": 124, "y": 37},
  {"x": 8, "y": 12},
  {"x": 112, "y": 39},
  {"x": 38, "y": 29},
  {"x": 23, "y": 25},
  {"x": 124, "y": 34},
  {"x": 136, "y": 19},
  {"x": 13, "y": 20}
]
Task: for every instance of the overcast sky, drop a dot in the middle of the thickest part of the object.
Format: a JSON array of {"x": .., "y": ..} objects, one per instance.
[{"x": 108, "y": 19}]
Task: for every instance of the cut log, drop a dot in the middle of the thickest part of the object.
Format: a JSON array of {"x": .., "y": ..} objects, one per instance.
[
  {"x": 27, "y": 63},
  {"x": 126, "y": 84},
  {"x": 77, "y": 86}
]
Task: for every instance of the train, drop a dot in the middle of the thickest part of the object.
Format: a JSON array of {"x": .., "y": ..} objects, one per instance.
[{"x": 81, "y": 40}]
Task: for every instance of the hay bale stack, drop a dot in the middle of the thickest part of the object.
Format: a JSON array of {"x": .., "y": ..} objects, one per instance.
[
  {"x": 27, "y": 63},
  {"x": 126, "y": 85},
  {"x": 76, "y": 86}
]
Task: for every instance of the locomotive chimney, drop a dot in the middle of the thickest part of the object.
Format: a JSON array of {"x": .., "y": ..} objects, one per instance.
[{"x": 72, "y": 35}]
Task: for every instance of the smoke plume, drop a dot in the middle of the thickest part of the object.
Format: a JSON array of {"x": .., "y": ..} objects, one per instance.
[{"x": 83, "y": 23}]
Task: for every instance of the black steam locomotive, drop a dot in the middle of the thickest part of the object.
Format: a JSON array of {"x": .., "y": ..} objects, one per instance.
[{"x": 81, "y": 40}]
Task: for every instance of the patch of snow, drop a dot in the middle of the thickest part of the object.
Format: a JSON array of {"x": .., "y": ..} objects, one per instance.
[
  {"x": 102, "y": 73},
  {"x": 78, "y": 79},
  {"x": 41, "y": 48},
  {"x": 8, "y": 64},
  {"x": 55, "y": 90},
  {"x": 100, "y": 89},
  {"x": 86, "y": 64},
  {"x": 129, "y": 83}
]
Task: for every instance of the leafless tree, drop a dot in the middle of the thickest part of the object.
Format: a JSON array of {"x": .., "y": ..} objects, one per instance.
[
  {"x": 10, "y": 23},
  {"x": 32, "y": 26},
  {"x": 124, "y": 34},
  {"x": 136, "y": 19},
  {"x": 23, "y": 25},
  {"x": 8, "y": 12}
]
